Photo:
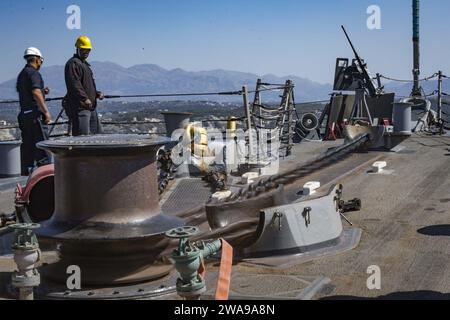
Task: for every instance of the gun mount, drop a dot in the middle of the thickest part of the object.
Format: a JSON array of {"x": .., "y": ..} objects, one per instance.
[{"x": 355, "y": 76}]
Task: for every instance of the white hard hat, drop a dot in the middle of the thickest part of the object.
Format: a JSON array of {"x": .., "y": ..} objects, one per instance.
[{"x": 32, "y": 52}]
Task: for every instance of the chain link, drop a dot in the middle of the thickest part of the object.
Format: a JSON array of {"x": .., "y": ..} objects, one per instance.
[
  {"x": 273, "y": 182},
  {"x": 410, "y": 81}
]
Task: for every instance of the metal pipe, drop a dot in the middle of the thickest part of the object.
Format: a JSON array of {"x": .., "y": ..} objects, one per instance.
[
  {"x": 248, "y": 116},
  {"x": 439, "y": 102},
  {"x": 26, "y": 256},
  {"x": 175, "y": 121},
  {"x": 416, "y": 91},
  {"x": 188, "y": 258}
]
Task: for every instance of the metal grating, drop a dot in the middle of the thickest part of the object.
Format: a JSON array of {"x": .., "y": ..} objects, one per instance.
[{"x": 187, "y": 194}]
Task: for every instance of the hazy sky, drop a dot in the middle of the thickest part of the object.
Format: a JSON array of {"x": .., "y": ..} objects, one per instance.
[{"x": 282, "y": 37}]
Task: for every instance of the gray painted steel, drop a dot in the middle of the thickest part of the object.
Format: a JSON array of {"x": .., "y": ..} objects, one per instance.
[
  {"x": 402, "y": 118},
  {"x": 295, "y": 230},
  {"x": 349, "y": 240},
  {"x": 175, "y": 120},
  {"x": 9, "y": 159}
]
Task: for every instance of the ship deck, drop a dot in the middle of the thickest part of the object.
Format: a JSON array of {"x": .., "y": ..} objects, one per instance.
[
  {"x": 405, "y": 219},
  {"x": 405, "y": 222}
]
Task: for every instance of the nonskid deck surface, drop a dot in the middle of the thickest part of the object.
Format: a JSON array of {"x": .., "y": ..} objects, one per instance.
[
  {"x": 406, "y": 228},
  {"x": 405, "y": 220}
]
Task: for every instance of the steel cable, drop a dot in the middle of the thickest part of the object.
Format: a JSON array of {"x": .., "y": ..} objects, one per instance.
[
  {"x": 410, "y": 81},
  {"x": 228, "y": 93},
  {"x": 160, "y": 122}
]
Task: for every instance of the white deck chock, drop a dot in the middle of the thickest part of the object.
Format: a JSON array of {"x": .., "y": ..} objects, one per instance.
[
  {"x": 220, "y": 195},
  {"x": 249, "y": 177},
  {"x": 378, "y": 167},
  {"x": 310, "y": 188}
]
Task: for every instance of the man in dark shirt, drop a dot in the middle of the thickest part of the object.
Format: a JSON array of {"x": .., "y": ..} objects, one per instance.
[
  {"x": 34, "y": 114},
  {"x": 82, "y": 94}
]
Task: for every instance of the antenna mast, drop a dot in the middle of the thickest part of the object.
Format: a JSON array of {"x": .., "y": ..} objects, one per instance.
[{"x": 416, "y": 91}]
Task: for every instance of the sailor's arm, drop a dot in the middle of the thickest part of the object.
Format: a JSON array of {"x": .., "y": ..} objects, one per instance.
[{"x": 40, "y": 100}]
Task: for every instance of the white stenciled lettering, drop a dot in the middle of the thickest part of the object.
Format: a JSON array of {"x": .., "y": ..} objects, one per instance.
[
  {"x": 74, "y": 19},
  {"x": 374, "y": 20},
  {"x": 74, "y": 280},
  {"x": 374, "y": 281}
]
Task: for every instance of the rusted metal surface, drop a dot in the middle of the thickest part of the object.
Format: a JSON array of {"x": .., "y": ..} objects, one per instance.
[{"x": 107, "y": 218}]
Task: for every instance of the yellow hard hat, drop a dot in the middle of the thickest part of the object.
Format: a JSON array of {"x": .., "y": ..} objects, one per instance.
[{"x": 83, "y": 42}]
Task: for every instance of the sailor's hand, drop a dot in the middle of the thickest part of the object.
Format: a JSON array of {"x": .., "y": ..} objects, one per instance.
[
  {"x": 100, "y": 95},
  {"x": 88, "y": 104},
  {"x": 46, "y": 90},
  {"x": 47, "y": 118}
]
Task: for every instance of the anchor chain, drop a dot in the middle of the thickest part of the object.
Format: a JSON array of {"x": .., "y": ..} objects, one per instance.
[{"x": 273, "y": 182}]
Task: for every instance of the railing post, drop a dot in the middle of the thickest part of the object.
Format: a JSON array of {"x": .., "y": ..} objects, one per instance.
[
  {"x": 249, "y": 119},
  {"x": 439, "y": 104}
]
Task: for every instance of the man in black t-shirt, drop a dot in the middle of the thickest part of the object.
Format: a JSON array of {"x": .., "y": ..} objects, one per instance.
[{"x": 34, "y": 114}]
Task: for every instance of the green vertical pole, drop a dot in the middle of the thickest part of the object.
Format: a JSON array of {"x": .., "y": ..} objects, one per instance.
[{"x": 416, "y": 45}]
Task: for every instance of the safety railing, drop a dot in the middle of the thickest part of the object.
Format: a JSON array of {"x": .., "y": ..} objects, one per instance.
[{"x": 147, "y": 122}]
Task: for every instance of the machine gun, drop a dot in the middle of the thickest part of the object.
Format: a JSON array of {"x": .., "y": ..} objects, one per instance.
[{"x": 348, "y": 78}]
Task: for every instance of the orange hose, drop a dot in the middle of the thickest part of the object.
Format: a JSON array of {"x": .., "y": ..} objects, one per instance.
[
  {"x": 226, "y": 264},
  {"x": 224, "y": 279}
]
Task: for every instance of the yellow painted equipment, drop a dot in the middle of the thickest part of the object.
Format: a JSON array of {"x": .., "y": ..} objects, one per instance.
[
  {"x": 232, "y": 124},
  {"x": 199, "y": 140}
]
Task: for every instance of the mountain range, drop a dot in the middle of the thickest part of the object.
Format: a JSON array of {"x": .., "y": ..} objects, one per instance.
[{"x": 114, "y": 79}]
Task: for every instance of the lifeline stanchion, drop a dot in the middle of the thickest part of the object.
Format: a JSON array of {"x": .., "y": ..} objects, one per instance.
[
  {"x": 56, "y": 121},
  {"x": 439, "y": 102}
]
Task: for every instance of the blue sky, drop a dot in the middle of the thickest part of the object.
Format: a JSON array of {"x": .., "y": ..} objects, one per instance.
[{"x": 282, "y": 37}]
